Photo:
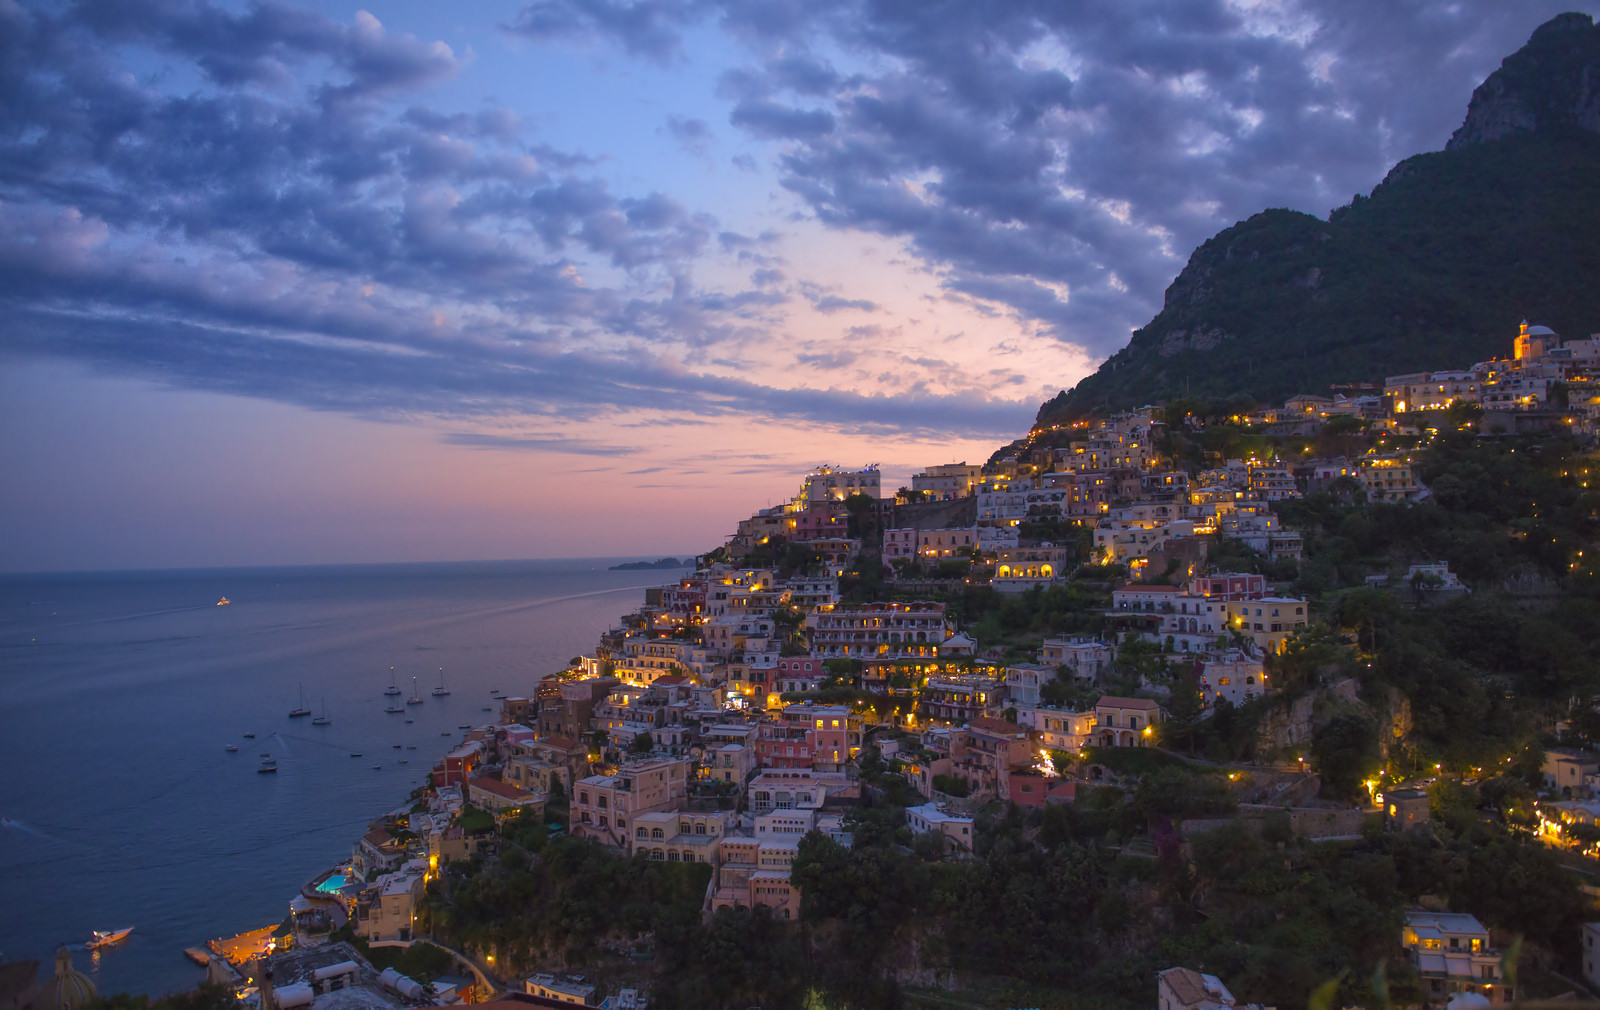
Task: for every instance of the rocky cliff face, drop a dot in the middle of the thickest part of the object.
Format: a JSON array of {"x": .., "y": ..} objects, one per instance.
[{"x": 1551, "y": 84}]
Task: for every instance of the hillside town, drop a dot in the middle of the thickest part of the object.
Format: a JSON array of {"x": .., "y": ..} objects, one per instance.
[{"x": 844, "y": 653}]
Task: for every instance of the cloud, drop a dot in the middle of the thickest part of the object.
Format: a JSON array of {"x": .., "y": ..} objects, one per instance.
[
  {"x": 832, "y": 303},
  {"x": 647, "y": 28},
  {"x": 693, "y": 135},
  {"x": 279, "y": 212},
  {"x": 1062, "y": 159},
  {"x": 538, "y": 443}
]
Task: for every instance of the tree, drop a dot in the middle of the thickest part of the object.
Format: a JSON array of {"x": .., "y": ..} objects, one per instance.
[{"x": 1345, "y": 751}]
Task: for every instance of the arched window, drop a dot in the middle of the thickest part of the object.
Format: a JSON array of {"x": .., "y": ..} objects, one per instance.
[
  {"x": 642, "y": 833},
  {"x": 656, "y": 835}
]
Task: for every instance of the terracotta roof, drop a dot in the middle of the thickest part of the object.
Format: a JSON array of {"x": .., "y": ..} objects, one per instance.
[
  {"x": 1187, "y": 985},
  {"x": 672, "y": 679},
  {"x": 1111, "y": 701},
  {"x": 498, "y": 788},
  {"x": 998, "y": 726},
  {"x": 556, "y": 741}
]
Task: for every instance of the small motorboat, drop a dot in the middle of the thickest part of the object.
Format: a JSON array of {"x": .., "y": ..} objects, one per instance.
[
  {"x": 105, "y": 939},
  {"x": 486, "y": 708},
  {"x": 232, "y": 748},
  {"x": 410, "y": 721},
  {"x": 396, "y": 746},
  {"x": 224, "y": 602},
  {"x": 404, "y": 761},
  {"x": 445, "y": 733},
  {"x": 249, "y": 736},
  {"x": 355, "y": 754},
  {"x": 268, "y": 767},
  {"x": 465, "y": 725},
  {"x": 377, "y": 768},
  {"x": 411, "y": 746}
]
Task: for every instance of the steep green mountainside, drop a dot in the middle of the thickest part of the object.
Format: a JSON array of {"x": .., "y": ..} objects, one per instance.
[{"x": 1433, "y": 270}]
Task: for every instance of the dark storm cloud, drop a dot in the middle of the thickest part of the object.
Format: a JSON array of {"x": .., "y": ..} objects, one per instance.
[{"x": 1062, "y": 159}]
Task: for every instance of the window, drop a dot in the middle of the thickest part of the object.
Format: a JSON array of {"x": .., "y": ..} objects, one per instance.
[
  {"x": 656, "y": 834},
  {"x": 641, "y": 833}
]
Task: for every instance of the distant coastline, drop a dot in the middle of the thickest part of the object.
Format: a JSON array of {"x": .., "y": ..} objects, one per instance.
[{"x": 650, "y": 566}]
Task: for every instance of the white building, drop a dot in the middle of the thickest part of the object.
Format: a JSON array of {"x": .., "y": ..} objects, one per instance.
[
  {"x": 930, "y": 818},
  {"x": 830, "y": 483},
  {"x": 1452, "y": 953}
]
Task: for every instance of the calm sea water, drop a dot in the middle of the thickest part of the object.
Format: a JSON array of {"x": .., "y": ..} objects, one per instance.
[{"x": 120, "y": 692}]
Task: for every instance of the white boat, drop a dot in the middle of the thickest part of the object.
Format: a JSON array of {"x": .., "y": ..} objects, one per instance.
[
  {"x": 268, "y": 767},
  {"x": 232, "y": 748},
  {"x": 106, "y": 939},
  {"x": 415, "y": 699},
  {"x": 393, "y": 688},
  {"x": 441, "y": 690},
  {"x": 322, "y": 720}
]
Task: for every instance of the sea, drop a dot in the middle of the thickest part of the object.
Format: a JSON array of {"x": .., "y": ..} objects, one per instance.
[{"x": 119, "y": 694}]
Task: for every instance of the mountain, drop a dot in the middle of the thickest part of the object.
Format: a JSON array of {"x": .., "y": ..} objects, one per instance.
[{"x": 1434, "y": 269}]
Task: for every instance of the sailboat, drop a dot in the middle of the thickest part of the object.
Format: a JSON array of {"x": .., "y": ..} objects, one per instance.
[
  {"x": 393, "y": 688},
  {"x": 322, "y": 720},
  {"x": 295, "y": 713},
  {"x": 441, "y": 690},
  {"x": 415, "y": 699}
]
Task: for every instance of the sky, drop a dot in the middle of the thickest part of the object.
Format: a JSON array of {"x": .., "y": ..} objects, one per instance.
[{"x": 292, "y": 283}]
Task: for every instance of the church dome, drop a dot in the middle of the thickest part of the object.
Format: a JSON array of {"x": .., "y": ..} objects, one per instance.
[
  {"x": 68, "y": 988},
  {"x": 1540, "y": 331}
]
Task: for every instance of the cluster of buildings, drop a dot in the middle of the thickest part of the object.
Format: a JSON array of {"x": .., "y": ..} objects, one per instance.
[{"x": 681, "y": 738}]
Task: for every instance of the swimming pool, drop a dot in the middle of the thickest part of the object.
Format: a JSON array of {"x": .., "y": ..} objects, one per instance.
[{"x": 333, "y": 883}]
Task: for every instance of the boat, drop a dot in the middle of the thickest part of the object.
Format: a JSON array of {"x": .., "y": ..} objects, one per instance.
[
  {"x": 232, "y": 748},
  {"x": 486, "y": 708},
  {"x": 404, "y": 761},
  {"x": 465, "y": 725},
  {"x": 377, "y": 768},
  {"x": 296, "y": 713},
  {"x": 410, "y": 721},
  {"x": 441, "y": 690},
  {"x": 268, "y": 767},
  {"x": 106, "y": 939},
  {"x": 396, "y": 746},
  {"x": 393, "y": 688},
  {"x": 415, "y": 699},
  {"x": 411, "y": 746},
  {"x": 322, "y": 720},
  {"x": 355, "y": 754},
  {"x": 224, "y": 602},
  {"x": 445, "y": 733},
  {"x": 394, "y": 708},
  {"x": 249, "y": 736}
]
